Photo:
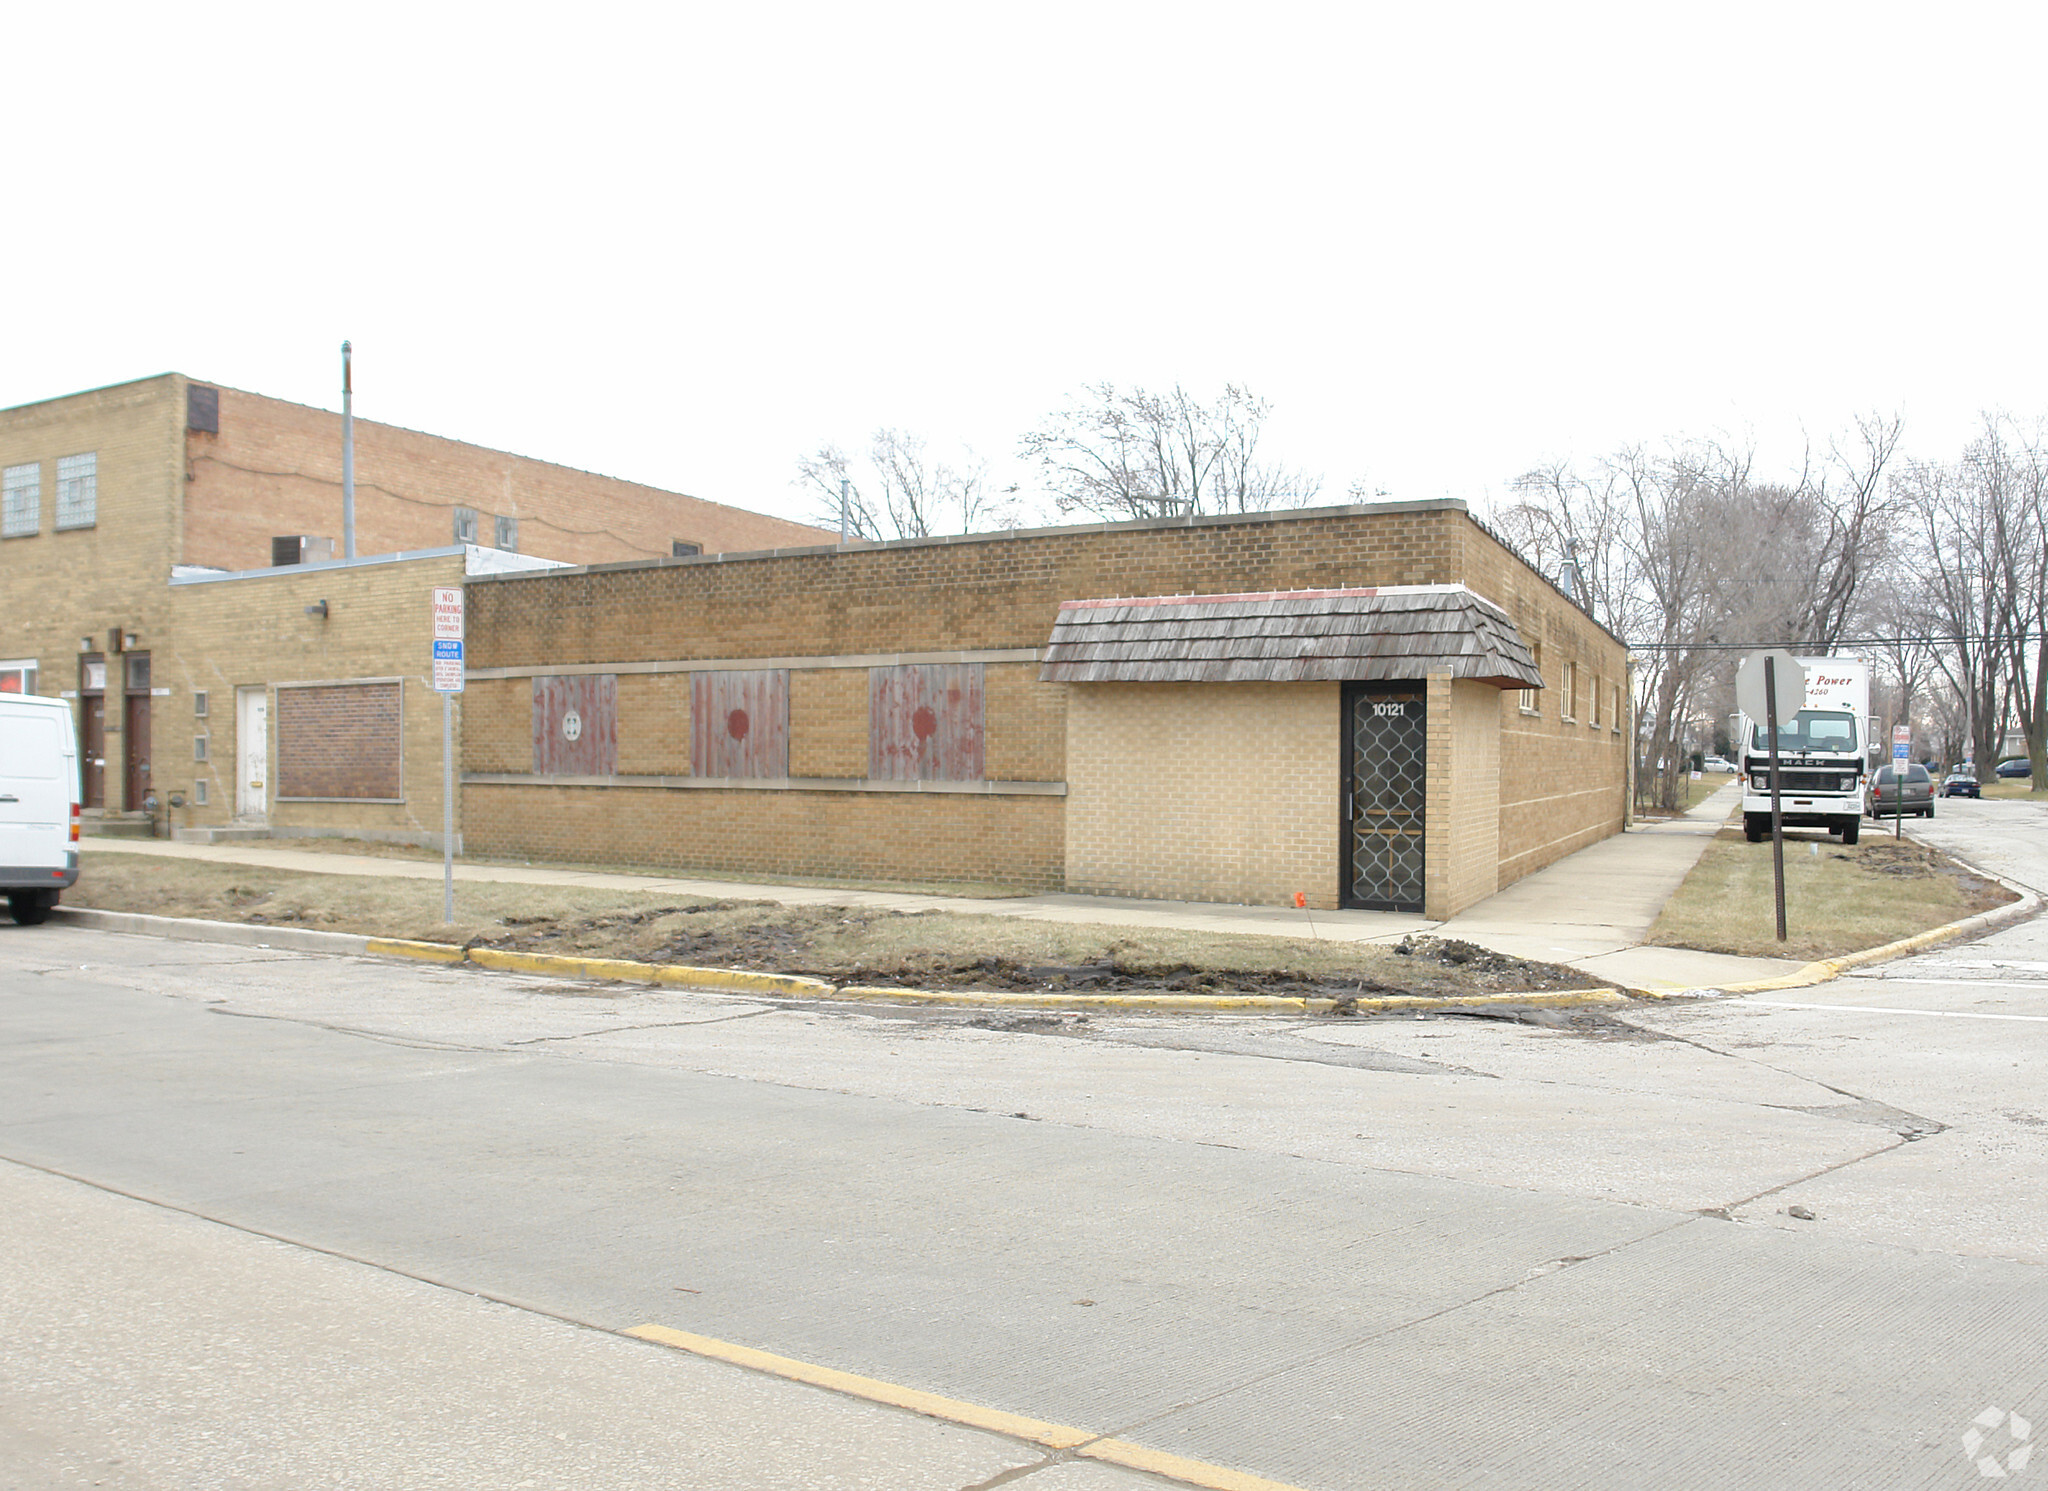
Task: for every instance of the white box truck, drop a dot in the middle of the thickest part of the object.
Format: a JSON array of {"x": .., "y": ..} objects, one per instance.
[
  {"x": 38, "y": 804},
  {"x": 1822, "y": 755}
]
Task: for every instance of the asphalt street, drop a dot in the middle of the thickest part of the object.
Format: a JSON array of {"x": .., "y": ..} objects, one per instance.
[{"x": 276, "y": 1219}]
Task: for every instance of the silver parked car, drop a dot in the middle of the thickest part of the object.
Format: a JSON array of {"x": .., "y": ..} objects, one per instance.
[{"x": 1888, "y": 796}]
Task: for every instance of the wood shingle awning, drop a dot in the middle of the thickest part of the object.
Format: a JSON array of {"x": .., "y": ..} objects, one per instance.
[{"x": 1290, "y": 636}]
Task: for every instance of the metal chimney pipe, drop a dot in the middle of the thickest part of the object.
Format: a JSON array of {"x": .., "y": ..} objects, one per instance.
[{"x": 348, "y": 459}]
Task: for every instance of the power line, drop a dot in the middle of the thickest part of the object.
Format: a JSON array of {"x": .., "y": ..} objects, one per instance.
[{"x": 1811, "y": 648}]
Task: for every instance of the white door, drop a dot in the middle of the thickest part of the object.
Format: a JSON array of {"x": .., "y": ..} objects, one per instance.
[{"x": 252, "y": 752}]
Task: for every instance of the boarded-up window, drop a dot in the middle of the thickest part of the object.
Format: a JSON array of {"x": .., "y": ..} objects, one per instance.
[
  {"x": 576, "y": 725},
  {"x": 925, "y": 722},
  {"x": 739, "y": 723},
  {"x": 339, "y": 740}
]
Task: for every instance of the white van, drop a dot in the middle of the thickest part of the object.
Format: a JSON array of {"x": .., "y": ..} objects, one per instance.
[{"x": 38, "y": 804}]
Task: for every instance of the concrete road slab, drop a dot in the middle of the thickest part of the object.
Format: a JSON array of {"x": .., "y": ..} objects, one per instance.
[
  {"x": 1820, "y": 1364},
  {"x": 150, "y": 1349}
]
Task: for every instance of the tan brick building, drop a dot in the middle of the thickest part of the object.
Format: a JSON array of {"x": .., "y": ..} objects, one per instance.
[
  {"x": 906, "y": 712},
  {"x": 141, "y": 529}
]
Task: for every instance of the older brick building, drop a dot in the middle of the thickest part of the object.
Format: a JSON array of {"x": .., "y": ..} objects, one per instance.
[
  {"x": 142, "y": 529},
  {"x": 904, "y": 712}
]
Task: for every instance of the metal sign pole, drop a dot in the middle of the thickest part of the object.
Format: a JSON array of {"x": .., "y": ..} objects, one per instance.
[
  {"x": 1777, "y": 818},
  {"x": 448, "y": 808}
]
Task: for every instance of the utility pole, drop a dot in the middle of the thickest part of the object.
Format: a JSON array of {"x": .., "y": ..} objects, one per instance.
[{"x": 348, "y": 459}]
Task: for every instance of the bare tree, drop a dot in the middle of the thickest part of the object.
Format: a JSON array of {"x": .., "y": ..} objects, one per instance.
[
  {"x": 900, "y": 491},
  {"x": 1685, "y": 554},
  {"x": 1984, "y": 583},
  {"x": 1130, "y": 453}
]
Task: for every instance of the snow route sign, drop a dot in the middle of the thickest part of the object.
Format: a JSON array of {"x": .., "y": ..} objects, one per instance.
[{"x": 448, "y": 639}]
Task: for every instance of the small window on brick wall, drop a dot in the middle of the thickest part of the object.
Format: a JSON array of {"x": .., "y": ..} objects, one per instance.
[
  {"x": 1593, "y": 702},
  {"x": 682, "y": 549},
  {"x": 21, "y": 500},
  {"x": 18, "y": 677},
  {"x": 78, "y": 490},
  {"x": 199, "y": 748},
  {"x": 199, "y": 792},
  {"x": 505, "y": 534},
  {"x": 1529, "y": 695},
  {"x": 1568, "y": 700},
  {"x": 199, "y": 704},
  {"x": 465, "y": 525},
  {"x": 925, "y": 723}
]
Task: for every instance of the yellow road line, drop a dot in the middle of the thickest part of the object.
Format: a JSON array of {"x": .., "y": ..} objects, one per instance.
[
  {"x": 971, "y": 1415},
  {"x": 1053, "y": 1436},
  {"x": 1178, "y": 1467}
]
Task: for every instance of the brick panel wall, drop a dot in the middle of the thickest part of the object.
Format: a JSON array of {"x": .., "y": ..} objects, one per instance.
[
  {"x": 1027, "y": 725},
  {"x": 968, "y": 594},
  {"x": 497, "y": 725},
  {"x": 339, "y": 740},
  {"x": 828, "y": 722},
  {"x": 1463, "y": 816},
  {"x": 275, "y": 468},
  {"x": 1210, "y": 792},
  {"x": 654, "y": 725},
  {"x": 930, "y": 839}
]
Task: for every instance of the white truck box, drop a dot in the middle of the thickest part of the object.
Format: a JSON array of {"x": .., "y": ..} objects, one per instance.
[
  {"x": 39, "y": 804},
  {"x": 1823, "y": 755}
]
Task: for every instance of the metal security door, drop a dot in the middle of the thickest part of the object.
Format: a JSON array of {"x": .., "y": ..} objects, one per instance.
[{"x": 1385, "y": 781}]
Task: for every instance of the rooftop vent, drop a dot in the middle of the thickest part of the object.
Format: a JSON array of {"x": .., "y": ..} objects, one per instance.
[{"x": 300, "y": 548}]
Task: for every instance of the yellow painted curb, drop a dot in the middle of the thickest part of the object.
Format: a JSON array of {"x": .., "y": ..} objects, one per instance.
[
  {"x": 1053, "y": 1436},
  {"x": 430, "y": 952},
  {"x": 740, "y": 979},
  {"x": 619, "y": 970},
  {"x": 971, "y": 1415}
]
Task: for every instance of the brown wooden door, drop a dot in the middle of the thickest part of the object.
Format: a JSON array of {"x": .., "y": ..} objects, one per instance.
[
  {"x": 136, "y": 748},
  {"x": 92, "y": 748}
]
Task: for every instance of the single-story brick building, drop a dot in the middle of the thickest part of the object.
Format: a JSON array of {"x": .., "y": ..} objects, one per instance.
[{"x": 1374, "y": 705}]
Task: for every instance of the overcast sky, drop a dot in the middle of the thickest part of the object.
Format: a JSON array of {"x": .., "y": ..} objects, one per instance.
[{"x": 685, "y": 243}]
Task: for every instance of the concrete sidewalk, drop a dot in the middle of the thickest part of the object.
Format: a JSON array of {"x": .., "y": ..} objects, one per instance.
[{"x": 1591, "y": 910}]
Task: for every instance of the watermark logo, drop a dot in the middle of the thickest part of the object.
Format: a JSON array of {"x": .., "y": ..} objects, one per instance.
[{"x": 1983, "y": 1442}]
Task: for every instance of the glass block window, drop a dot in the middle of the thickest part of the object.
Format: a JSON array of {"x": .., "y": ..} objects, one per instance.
[
  {"x": 78, "y": 490},
  {"x": 21, "y": 500},
  {"x": 465, "y": 525},
  {"x": 506, "y": 534}
]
